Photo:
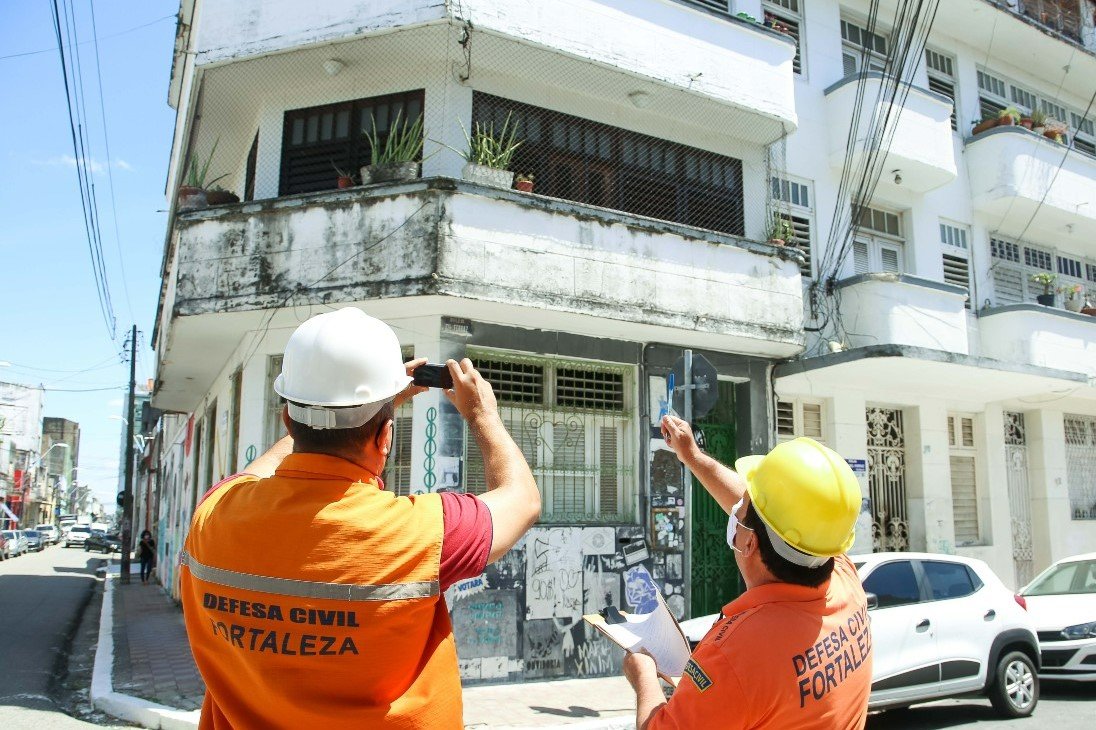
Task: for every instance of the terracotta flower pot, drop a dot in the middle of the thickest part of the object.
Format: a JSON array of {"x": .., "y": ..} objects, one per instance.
[
  {"x": 1026, "y": 123},
  {"x": 525, "y": 186},
  {"x": 1006, "y": 121},
  {"x": 1090, "y": 311},
  {"x": 1051, "y": 134},
  {"x": 984, "y": 126},
  {"x": 345, "y": 181},
  {"x": 776, "y": 241},
  {"x": 191, "y": 198}
]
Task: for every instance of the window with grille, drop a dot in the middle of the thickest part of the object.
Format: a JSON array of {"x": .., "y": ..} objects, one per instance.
[
  {"x": 795, "y": 418},
  {"x": 319, "y": 139},
  {"x": 274, "y": 428},
  {"x": 878, "y": 246},
  {"x": 862, "y": 50},
  {"x": 1014, "y": 264},
  {"x": 1084, "y": 134},
  {"x": 787, "y": 17},
  {"x": 397, "y": 470},
  {"x": 573, "y": 423},
  {"x": 1081, "y": 465},
  {"x": 798, "y": 213},
  {"x": 588, "y": 162},
  {"x": 964, "y": 487},
  {"x": 941, "y": 74}
]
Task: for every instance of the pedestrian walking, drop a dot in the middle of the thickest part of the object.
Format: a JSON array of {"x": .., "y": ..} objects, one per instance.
[
  {"x": 312, "y": 596},
  {"x": 146, "y": 550},
  {"x": 794, "y": 650}
]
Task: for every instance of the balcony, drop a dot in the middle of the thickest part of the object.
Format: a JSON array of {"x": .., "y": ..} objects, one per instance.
[
  {"x": 899, "y": 309},
  {"x": 1032, "y": 334},
  {"x": 645, "y": 61},
  {"x": 921, "y": 149},
  {"x": 441, "y": 246},
  {"x": 1029, "y": 185}
]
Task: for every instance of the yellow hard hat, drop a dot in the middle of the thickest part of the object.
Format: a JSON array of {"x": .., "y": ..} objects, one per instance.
[{"x": 808, "y": 498}]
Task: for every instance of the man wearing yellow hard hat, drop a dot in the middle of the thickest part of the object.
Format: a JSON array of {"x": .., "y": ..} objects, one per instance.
[{"x": 794, "y": 650}]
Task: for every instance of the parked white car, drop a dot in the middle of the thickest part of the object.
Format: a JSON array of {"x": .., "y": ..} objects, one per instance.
[
  {"x": 76, "y": 535},
  {"x": 941, "y": 626},
  {"x": 17, "y": 542},
  {"x": 1062, "y": 603},
  {"x": 50, "y": 533}
]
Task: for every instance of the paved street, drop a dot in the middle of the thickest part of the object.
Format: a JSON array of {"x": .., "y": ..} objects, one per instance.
[
  {"x": 42, "y": 597},
  {"x": 1062, "y": 706}
]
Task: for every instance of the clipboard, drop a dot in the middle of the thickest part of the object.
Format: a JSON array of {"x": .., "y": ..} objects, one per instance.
[{"x": 657, "y": 633}]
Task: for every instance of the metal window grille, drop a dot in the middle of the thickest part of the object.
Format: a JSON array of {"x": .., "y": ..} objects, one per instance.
[
  {"x": 957, "y": 272},
  {"x": 573, "y": 422},
  {"x": 784, "y": 16},
  {"x": 1019, "y": 496},
  {"x": 1038, "y": 259},
  {"x": 796, "y": 210},
  {"x": 589, "y": 162},
  {"x": 798, "y": 418},
  {"x": 887, "y": 478},
  {"x": 319, "y": 139},
  {"x": 1063, "y": 16},
  {"x": 1081, "y": 465},
  {"x": 397, "y": 471},
  {"x": 1069, "y": 267},
  {"x": 274, "y": 427}
]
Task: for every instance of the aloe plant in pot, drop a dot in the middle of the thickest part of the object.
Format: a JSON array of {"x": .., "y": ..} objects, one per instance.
[
  {"x": 781, "y": 231},
  {"x": 397, "y": 159},
  {"x": 192, "y": 193},
  {"x": 489, "y": 153}
]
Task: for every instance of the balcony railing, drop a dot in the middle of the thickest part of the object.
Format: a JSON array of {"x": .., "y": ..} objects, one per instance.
[{"x": 1063, "y": 16}]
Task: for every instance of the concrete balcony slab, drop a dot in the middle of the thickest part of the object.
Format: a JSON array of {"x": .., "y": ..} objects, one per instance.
[
  {"x": 443, "y": 246},
  {"x": 1041, "y": 336},
  {"x": 922, "y": 148},
  {"x": 1032, "y": 186},
  {"x": 900, "y": 309}
]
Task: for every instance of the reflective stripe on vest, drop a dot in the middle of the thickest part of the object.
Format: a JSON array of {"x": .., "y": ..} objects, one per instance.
[{"x": 308, "y": 588}]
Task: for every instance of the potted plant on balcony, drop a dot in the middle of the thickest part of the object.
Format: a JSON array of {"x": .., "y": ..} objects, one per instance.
[
  {"x": 398, "y": 158},
  {"x": 489, "y": 153},
  {"x": 344, "y": 179},
  {"x": 524, "y": 183},
  {"x": 1046, "y": 280},
  {"x": 1038, "y": 121},
  {"x": 1089, "y": 308},
  {"x": 1055, "y": 130},
  {"x": 1008, "y": 117},
  {"x": 192, "y": 193},
  {"x": 1074, "y": 297},
  {"x": 989, "y": 121},
  {"x": 781, "y": 231}
]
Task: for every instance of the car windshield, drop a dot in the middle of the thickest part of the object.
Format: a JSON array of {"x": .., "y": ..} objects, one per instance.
[
  {"x": 1074, "y": 577},
  {"x": 80, "y": 529},
  {"x": 32, "y": 533}
]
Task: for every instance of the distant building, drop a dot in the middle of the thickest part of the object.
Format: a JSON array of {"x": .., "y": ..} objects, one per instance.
[
  {"x": 20, "y": 447},
  {"x": 59, "y": 466}
]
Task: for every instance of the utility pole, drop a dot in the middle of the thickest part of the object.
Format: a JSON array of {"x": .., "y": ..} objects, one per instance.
[{"x": 127, "y": 495}]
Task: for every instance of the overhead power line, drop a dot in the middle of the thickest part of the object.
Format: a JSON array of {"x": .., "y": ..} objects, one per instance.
[{"x": 103, "y": 38}]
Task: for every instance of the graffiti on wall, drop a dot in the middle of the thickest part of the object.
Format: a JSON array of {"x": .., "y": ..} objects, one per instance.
[{"x": 554, "y": 573}]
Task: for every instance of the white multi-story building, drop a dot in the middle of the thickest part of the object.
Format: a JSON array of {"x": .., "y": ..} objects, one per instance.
[{"x": 664, "y": 138}]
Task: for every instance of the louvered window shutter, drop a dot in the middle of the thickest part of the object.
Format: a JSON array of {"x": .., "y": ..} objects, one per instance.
[
  {"x": 861, "y": 260},
  {"x": 964, "y": 499}
]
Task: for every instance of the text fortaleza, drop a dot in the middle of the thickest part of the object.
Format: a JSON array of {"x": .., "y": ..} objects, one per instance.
[
  {"x": 826, "y": 664},
  {"x": 259, "y": 639}
]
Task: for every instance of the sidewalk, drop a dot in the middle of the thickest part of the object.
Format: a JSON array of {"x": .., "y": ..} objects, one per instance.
[{"x": 144, "y": 673}]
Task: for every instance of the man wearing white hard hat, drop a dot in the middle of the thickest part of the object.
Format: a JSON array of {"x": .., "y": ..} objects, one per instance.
[
  {"x": 794, "y": 650},
  {"x": 312, "y": 596}
]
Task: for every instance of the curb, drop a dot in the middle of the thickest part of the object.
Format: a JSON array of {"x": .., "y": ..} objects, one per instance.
[{"x": 127, "y": 707}]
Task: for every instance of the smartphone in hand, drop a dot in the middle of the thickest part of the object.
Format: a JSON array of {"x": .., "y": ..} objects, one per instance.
[{"x": 432, "y": 376}]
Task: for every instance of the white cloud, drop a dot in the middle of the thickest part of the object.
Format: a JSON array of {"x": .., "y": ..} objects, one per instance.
[{"x": 95, "y": 166}]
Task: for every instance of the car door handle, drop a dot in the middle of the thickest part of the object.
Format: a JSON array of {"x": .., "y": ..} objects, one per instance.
[
  {"x": 990, "y": 615},
  {"x": 923, "y": 625}
]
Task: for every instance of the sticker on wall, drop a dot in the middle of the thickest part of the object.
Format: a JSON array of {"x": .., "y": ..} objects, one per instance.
[
  {"x": 465, "y": 588},
  {"x": 635, "y": 551},
  {"x": 542, "y": 649},
  {"x": 449, "y": 467},
  {"x": 554, "y": 573},
  {"x": 640, "y": 592},
  {"x": 598, "y": 541},
  {"x": 668, "y": 525},
  {"x": 250, "y": 453},
  {"x": 486, "y": 625}
]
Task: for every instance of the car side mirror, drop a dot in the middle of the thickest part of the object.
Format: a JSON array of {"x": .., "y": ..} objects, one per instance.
[{"x": 873, "y": 600}]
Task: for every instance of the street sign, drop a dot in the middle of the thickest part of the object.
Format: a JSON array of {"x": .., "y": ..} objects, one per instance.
[{"x": 705, "y": 382}]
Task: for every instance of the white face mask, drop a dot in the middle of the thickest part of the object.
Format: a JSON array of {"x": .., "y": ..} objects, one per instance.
[{"x": 733, "y": 524}]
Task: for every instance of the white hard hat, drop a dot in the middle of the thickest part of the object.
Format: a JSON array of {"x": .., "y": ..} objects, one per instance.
[{"x": 339, "y": 369}]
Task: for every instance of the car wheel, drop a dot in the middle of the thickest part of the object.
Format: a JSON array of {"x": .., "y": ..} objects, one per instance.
[{"x": 1015, "y": 688}]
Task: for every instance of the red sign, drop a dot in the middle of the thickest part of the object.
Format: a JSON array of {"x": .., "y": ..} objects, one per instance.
[
  {"x": 19, "y": 478},
  {"x": 189, "y": 438}
]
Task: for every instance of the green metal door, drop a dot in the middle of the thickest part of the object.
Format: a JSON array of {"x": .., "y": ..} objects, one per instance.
[{"x": 714, "y": 580}]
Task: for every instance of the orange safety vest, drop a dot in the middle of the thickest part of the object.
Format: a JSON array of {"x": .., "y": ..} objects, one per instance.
[{"x": 311, "y": 599}]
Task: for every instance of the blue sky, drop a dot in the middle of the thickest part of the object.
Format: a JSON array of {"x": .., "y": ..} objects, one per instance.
[{"x": 51, "y": 329}]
